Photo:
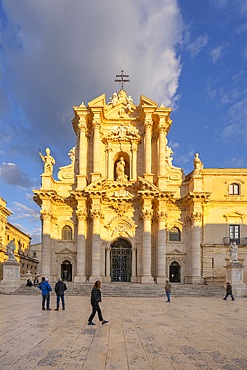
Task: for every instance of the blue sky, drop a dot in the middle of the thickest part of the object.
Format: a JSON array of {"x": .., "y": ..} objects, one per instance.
[{"x": 189, "y": 54}]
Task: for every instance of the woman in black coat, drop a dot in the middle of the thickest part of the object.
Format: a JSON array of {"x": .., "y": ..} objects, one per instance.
[{"x": 95, "y": 299}]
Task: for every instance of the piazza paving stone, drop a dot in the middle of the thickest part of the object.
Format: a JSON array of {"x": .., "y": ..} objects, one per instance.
[{"x": 142, "y": 334}]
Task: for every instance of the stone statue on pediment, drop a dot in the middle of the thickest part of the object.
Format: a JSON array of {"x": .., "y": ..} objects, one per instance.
[
  {"x": 233, "y": 249},
  {"x": 168, "y": 154},
  {"x": 71, "y": 154},
  {"x": 48, "y": 160},
  {"x": 129, "y": 102},
  {"x": 10, "y": 249},
  {"x": 198, "y": 165},
  {"x": 114, "y": 99}
]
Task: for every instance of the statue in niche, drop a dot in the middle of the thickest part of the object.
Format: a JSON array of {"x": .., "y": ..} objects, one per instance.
[
  {"x": 48, "y": 160},
  {"x": 10, "y": 248},
  {"x": 233, "y": 249},
  {"x": 198, "y": 165},
  {"x": 120, "y": 170}
]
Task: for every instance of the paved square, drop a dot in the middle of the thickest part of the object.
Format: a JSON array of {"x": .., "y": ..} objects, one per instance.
[{"x": 143, "y": 333}]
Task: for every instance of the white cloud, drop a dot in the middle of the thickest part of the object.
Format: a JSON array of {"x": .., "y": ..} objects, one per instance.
[
  {"x": 196, "y": 46},
  {"x": 185, "y": 158},
  {"x": 12, "y": 175},
  {"x": 22, "y": 211},
  {"x": 58, "y": 53},
  {"x": 216, "y": 53}
]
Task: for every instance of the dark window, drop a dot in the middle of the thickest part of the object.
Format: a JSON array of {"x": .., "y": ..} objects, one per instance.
[
  {"x": 174, "y": 234},
  {"x": 234, "y": 234},
  {"x": 234, "y": 189},
  {"x": 66, "y": 233}
]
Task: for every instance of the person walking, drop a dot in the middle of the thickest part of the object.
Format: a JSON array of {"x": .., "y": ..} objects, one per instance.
[
  {"x": 95, "y": 300},
  {"x": 168, "y": 289},
  {"x": 45, "y": 289},
  {"x": 60, "y": 288},
  {"x": 228, "y": 292}
]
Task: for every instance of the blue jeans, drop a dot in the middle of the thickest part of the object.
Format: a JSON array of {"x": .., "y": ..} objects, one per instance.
[
  {"x": 168, "y": 294},
  {"x": 228, "y": 294},
  {"x": 62, "y": 299},
  {"x": 45, "y": 298}
]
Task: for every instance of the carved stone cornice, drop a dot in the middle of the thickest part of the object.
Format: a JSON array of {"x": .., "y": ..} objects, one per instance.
[
  {"x": 51, "y": 195},
  {"x": 195, "y": 197}
]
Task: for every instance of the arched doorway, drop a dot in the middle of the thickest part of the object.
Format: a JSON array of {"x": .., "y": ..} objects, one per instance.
[
  {"x": 121, "y": 258},
  {"x": 175, "y": 272},
  {"x": 66, "y": 271}
]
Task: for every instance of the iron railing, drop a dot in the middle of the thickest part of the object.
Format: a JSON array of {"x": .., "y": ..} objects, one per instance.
[{"x": 238, "y": 241}]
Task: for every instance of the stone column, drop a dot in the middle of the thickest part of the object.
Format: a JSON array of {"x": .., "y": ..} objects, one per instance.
[
  {"x": 110, "y": 174},
  {"x": 134, "y": 272},
  {"x": 96, "y": 244},
  {"x": 161, "y": 248},
  {"x": 148, "y": 145},
  {"x": 82, "y": 177},
  {"x": 81, "y": 246},
  {"x": 162, "y": 156},
  {"x": 46, "y": 244},
  {"x": 96, "y": 149},
  {"x": 146, "y": 247},
  {"x": 108, "y": 263},
  {"x": 134, "y": 162},
  {"x": 196, "y": 249}
]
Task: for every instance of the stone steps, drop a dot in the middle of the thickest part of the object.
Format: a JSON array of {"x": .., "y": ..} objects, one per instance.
[{"x": 135, "y": 290}]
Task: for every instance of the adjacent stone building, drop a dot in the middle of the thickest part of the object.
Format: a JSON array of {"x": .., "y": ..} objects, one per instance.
[
  {"x": 9, "y": 232},
  {"x": 120, "y": 211}
]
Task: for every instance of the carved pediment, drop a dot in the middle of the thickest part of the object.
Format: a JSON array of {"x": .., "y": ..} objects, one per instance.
[
  {"x": 144, "y": 101},
  {"x": 145, "y": 186},
  {"x": 234, "y": 215},
  {"x": 104, "y": 186},
  {"x": 123, "y": 133},
  {"x": 121, "y": 226},
  {"x": 97, "y": 102},
  {"x": 65, "y": 251},
  {"x": 176, "y": 252}
]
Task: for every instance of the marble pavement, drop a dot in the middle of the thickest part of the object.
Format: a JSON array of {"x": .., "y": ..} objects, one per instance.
[{"x": 143, "y": 333}]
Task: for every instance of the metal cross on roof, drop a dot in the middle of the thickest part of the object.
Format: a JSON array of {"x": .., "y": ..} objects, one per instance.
[{"x": 122, "y": 79}]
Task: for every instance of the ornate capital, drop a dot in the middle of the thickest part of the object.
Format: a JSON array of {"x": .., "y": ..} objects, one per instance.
[
  {"x": 196, "y": 216},
  {"x": 81, "y": 214},
  {"x": 148, "y": 123},
  {"x": 96, "y": 214},
  {"x": 161, "y": 215},
  {"x": 96, "y": 123},
  {"x": 46, "y": 215},
  {"x": 146, "y": 215}
]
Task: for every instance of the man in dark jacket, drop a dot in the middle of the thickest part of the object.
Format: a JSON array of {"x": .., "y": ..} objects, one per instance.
[
  {"x": 60, "y": 288},
  {"x": 45, "y": 289},
  {"x": 228, "y": 292}
]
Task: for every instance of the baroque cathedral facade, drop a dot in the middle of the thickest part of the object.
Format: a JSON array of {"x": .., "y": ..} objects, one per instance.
[{"x": 121, "y": 211}]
